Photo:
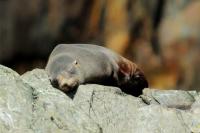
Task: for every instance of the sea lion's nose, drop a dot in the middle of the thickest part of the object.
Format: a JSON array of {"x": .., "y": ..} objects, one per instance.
[
  {"x": 66, "y": 84},
  {"x": 63, "y": 83}
]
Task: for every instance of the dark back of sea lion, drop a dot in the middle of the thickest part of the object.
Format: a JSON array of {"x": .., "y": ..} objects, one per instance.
[{"x": 70, "y": 65}]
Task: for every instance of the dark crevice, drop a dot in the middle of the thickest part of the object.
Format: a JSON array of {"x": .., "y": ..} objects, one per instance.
[
  {"x": 34, "y": 99},
  {"x": 91, "y": 102}
]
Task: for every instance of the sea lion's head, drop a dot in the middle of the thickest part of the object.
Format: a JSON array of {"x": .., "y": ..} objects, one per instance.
[{"x": 65, "y": 73}]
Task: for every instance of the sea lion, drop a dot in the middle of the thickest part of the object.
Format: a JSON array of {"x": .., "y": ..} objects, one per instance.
[{"x": 70, "y": 65}]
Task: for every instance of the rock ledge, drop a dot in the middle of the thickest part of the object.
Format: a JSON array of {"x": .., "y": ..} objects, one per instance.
[{"x": 29, "y": 103}]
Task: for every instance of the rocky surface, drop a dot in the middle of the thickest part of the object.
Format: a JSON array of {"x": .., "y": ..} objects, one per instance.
[{"x": 29, "y": 103}]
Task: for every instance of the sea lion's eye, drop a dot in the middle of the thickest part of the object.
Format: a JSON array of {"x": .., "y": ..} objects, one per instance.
[{"x": 75, "y": 62}]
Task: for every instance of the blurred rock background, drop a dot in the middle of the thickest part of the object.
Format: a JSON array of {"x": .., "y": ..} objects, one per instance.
[{"x": 162, "y": 36}]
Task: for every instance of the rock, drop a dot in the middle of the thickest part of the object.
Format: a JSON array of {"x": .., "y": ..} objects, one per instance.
[
  {"x": 37, "y": 107},
  {"x": 113, "y": 110},
  {"x": 195, "y": 108},
  {"x": 170, "y": 98},
  {"x": 30, "y": 104},
  {"x": 117, "y": 112},
  {"x": 52, "y": 110},
  {"x": 15, "y": 103}
]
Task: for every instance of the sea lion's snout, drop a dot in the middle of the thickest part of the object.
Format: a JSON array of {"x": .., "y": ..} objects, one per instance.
[{"x": 65, "y": 84}]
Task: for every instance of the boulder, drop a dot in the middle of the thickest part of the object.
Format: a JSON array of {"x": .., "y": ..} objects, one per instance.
[
  {"x": 117, "y": 112},
  {"x": 28, "y": 103}
]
